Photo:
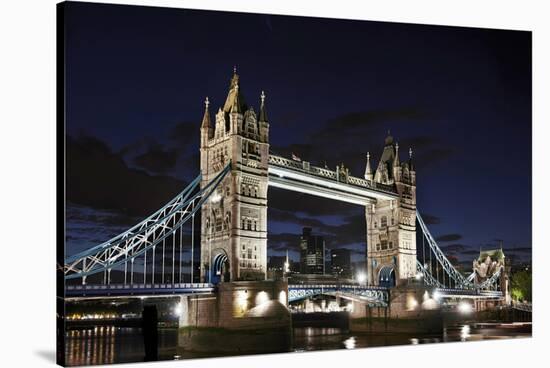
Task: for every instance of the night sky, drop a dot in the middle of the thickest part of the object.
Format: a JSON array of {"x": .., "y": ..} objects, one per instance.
[{"x": 460, "y": 97}]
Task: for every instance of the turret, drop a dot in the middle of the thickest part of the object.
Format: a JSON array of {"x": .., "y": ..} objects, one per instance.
[
  {"x": 262, "y": 121},
  {"x": 396, "y": 165},
  {"x": 368, "y": 171},
  {"x": 206, "y": 129}
]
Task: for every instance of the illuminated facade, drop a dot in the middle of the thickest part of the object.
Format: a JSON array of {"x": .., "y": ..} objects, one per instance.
[
  {"x": 234, "y": 221},
  {"x": 391, "y": 227}
]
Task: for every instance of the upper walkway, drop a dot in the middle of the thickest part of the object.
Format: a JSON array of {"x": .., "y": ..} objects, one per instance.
[{"x": 302, "y": 177}]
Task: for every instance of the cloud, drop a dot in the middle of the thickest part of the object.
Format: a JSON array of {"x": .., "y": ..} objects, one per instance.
[
  {"x": 98, "y": 178},
  {"x": 454, "y": 248},
  {"x": 448, "y": 237},
  {"x": 157, "y": 159},
  {"x": 430, "y": 219},
  {"x": 185, "y": 133}
]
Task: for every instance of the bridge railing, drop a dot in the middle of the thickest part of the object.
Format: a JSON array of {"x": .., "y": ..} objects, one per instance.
[
  {"x": 138, "y": 286},
  {"x": 325, "y": 173}
]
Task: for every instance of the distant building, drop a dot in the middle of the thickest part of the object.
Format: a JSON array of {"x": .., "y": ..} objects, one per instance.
[
  {"x": 312, "y": 253},
  {"x": 340, "y": 262}
]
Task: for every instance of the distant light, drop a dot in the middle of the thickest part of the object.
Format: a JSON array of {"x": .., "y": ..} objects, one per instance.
[
  {"x": 178, "y": 309},
  {"x": 419, "y": 276},
  {"x": 464, "y": 307},
  {"x": 361, "y": 277},
  {"x": 437, "y": 295}
]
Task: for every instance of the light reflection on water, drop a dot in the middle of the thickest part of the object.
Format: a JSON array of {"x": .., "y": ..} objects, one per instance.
[{"x": 107, "y": 345}]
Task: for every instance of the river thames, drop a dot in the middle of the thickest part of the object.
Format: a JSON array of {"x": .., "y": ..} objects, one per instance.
[{"x": 109, "y": 344}]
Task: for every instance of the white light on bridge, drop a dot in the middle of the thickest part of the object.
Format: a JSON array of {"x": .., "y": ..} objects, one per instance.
[
  {"x": 216, "y": 197},
  {"x": 464, "y": 307},
  {"x": 178, "y": 309},
  {"x": 262, "y": 298},
  {"x": 419, "y": 276},
  {"x": 361, "y": 277},
  {"x": 437, "y": 296}
]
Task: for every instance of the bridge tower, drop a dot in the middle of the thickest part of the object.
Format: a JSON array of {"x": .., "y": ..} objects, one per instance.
[
  {"x": 234, "y": 219},
  {"x": 391, "y": 224}
]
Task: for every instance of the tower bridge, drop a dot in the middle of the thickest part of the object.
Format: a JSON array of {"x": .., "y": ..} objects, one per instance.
[{"x": 231, "y": 195}]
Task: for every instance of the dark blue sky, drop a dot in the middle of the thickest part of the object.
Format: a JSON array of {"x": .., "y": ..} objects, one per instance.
[{"x": 460, "y": 97}]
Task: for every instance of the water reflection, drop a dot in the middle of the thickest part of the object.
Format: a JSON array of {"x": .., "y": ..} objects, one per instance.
[
  {"x": 107, "y": 345},
  {"x": 350, "y": 343}
]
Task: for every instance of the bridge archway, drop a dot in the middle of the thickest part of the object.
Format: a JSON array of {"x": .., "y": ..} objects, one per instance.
[
  {"x": 220, "y": 268},
  {"x": 386, "y": 277}
]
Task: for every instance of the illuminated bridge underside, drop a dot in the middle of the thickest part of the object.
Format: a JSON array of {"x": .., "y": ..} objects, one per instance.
[
  {"x": 374, "y": 296},
  {"x": 300, "y": 177},
  {"x": 468, "y": 294}
]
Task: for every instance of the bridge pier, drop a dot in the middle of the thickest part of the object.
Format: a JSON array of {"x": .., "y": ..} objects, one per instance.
[
  {"x": 237, "y": 316},
  {"x": 238, "y": 305}
]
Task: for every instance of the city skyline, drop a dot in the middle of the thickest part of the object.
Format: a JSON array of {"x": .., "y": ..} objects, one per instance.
[{"x": 461, "y": 101}]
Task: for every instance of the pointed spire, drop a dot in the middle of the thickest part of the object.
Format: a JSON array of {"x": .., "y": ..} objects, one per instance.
[
  {"x": 411, "y": 167},
  {"x": 263, "y": 112},
  {"x": 368, "y": 171},
  {"x": 235, "y": 101},
  {"x": 396, "y": 157},
  {"x": 236, "y": 106},
  {"x": 389, "y": 139},
  {"x": 206, "y": 117}
]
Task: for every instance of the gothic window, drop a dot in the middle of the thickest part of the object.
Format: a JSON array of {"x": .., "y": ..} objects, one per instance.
[
  {"x": 378, "y": 246},
  {"x": 254, "y": 224},
  {"x": 249, "y": 224},
  {"x": 375, "y": 224},
  {"x": 384, "y": 244},
  {"x": 383, "y": 221},
  {"x": 249, "y": 253},
  {"x": 227, "y": 191},
  {"x": 392, "y": 220},
  {"x": 391, "y": 245},
  {"x": 243, "y": 249},
  {"x": 242, "y": 223},
  {"x": 243, "y": 188},
  {"x": 218, "y": 224}
]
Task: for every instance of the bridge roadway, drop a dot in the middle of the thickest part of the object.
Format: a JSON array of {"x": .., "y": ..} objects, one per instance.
[
  {"x": 81, "y": 291},
  {"x": 372, "y": 295},
  {"x": 302, "y": 177}
]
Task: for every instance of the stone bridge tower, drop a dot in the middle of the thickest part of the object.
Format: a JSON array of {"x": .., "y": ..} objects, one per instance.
[
  {"x": 234, "y": 219},
  {"x": 391, "y": 224}
]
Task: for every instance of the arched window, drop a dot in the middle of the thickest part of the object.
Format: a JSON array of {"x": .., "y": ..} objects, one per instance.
[{"x": 383, "y": 221}]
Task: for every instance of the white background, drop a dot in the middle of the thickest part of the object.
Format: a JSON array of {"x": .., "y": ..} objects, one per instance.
[{"x": 27, "y": 185}]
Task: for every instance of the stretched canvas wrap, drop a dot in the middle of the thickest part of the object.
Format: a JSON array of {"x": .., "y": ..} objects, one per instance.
[{"x": 237, "y": 183}]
